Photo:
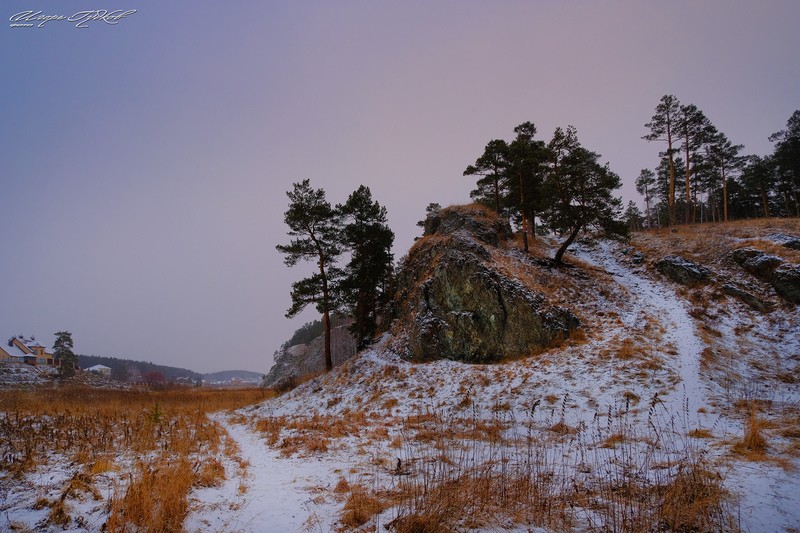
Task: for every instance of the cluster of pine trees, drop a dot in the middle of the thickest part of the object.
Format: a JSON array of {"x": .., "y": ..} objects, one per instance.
[
  {"x": 356, "y": 231},
  {"x": 560, "y": 182},
  {"x": 702, "y": 176}
]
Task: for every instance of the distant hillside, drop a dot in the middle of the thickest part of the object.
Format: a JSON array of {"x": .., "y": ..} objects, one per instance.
[
  {"x": 127, "y": 370},
  {"x": 228, "y": 375}
]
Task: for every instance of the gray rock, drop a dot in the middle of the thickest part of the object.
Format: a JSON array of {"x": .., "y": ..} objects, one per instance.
[
  {"x": 786, "y": 281},
  {"x": 783, "y": 276},
  {"x": 745, "y": 296},
  {"x": 742, "y": 255},
  {"x": 763, "y": 266},
  {"x": 788, "y": 241},
  {"x": 682, "y": 271},
  {"x": 457, "y": 305},
  {"x": 637, "y": 258}
]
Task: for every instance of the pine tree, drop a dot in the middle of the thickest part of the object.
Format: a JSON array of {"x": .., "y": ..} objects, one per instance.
[
  {"x": 578, "y": 190},
  {"x": 724, "y": 155},
  {"x": 493, "y": 166},
  {"x": 369, "y": 239},
  {"x": 662, "y": 128},
  {"x": 758, "y": 176},
  {"x": 787, "y": 159},
  {"x": 316, "y": 228},
  {"x": 644, "y": 186},
  {"x": 63, "y": 355},
  {"x": 695, "y": 130},
  {"x": 527, "y": 159},
  {"x": 633, "y": 216}
]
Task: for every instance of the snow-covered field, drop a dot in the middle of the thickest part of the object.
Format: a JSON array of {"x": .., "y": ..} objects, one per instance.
[{"x": 633, "y": 404}]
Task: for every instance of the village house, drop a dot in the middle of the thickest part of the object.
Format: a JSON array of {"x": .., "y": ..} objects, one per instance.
[
  {"x": 18, "y": 349},
  {"x": 100, "y": 369}
]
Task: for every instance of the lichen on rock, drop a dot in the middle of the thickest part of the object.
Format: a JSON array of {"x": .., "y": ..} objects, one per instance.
[{"x": 456, "y": 304}]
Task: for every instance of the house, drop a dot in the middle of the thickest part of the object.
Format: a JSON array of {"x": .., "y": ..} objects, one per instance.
[
  {"x": 18, "y": 349},
  {"x": 100, "y": 369}
]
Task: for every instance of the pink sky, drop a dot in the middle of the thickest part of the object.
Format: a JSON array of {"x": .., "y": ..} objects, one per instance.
[{"x": 144, "y": 165}]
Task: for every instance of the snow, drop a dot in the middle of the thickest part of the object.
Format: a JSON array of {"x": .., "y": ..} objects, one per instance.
[{"x": 277, "y": 494}]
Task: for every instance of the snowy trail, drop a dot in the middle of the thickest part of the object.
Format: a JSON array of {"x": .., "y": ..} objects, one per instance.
[
  {"x": 654, "y": 300},
  {"x": 281, "y": 495}
]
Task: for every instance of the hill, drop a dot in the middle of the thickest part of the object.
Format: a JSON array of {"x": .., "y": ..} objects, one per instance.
[
  {"x": 672, "y": 407},
  {"x": 128, "y": 370}
]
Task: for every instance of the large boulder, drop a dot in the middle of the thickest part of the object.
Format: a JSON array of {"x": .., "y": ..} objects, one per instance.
[
  {"x": 782, "y": 275},
  {"x": 683, "y": 271},
  {"x": 787, "y": 241},
  {"x": 786, "y": 281},
  {"x": 454, "y": 303}
]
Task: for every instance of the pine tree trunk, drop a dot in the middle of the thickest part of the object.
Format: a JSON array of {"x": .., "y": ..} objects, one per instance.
[
  {"x": 688, "y": 217},
  {"x": 570, "y": 240},
  {"x": 724, "y": 195},
  {"x": 671, "y": 198},
  {"x": 522, "y": 211},
  {"x": 326, "y": 323},
  {"x": 764, "y": 202}
]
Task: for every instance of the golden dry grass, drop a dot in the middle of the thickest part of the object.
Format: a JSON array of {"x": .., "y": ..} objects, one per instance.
[{"x": 93, "y": 427}]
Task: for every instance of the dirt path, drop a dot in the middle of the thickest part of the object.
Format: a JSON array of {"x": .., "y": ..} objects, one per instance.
[
  {"x": 275, "y": 494},
  {"x": 649, "y": 299}
]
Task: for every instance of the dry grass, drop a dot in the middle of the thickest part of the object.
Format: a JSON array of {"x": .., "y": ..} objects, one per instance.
[
  {"x": 753, "y": 445},
  {"x": 155, "y": 500},
  {"x": 695, "y": 500},
  {"x": 168, "y": 431},
  {"x": 360, "y": 506}
]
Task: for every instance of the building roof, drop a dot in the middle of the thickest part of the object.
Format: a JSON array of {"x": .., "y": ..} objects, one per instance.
[
  {"x": 14, "y": 350},
  {"x": 99, "y": 367}
]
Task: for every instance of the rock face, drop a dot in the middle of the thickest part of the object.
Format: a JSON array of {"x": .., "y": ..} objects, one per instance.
[
  {"x": 302, "y": 360},
  {"x": 682, "y": 271},
  {"x": 782, "y": 275},
  {"x": 786, "y": 280},
  {"x": 455, "y": 304},
  {"x": 787, "y": 241}
]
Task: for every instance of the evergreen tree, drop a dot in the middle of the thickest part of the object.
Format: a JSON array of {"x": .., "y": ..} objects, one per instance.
[
  {"x": 493, "y": 166},
  {"x": 644, "y": 186},
  {"x": 787, "y": 159},
  {"x": 63, "y": 355},
  {"x": 663, "y": 128},
  {"x": 527, "y": 160},
  {"x": 758, "y": 176},
  {"x": 633, "y": 216},
  {"x": 695, "y": 129},
  {"x": 315, "y": 227},
  {"x": 724, "y": 156},
  {"x": 579, "y": 190},
  {"x": 369, "y": 239}
]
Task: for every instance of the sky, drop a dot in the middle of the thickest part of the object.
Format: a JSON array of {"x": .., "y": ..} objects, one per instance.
[{"x": 144, "y": 164}]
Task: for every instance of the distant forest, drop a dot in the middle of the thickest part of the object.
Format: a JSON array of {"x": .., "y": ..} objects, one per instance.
[{"x": 127, "y": 370}]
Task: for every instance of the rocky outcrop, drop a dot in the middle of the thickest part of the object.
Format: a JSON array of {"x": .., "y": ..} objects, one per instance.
[
  {"x": 294, "y": 363},
  {"x": 782, "y": 275},
  {"x": 787, "y": 241},
  {"x": 683, "y": 271},
  {"x": 454, "y": 303},
  {"x": 745, "y": 296},
  {"x": 786, "y": 281}
]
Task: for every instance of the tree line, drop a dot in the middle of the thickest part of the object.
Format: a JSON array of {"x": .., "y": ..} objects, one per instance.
[
  {"x": 702, "y": 176},
  {"x": 560, "y": 182},
  {"x": 356, "y": 231}
]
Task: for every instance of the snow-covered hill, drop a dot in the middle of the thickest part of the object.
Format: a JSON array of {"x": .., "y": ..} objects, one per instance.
[
  {"x": 646, "y": 419},
  {"x": 674, "y": 407}
]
